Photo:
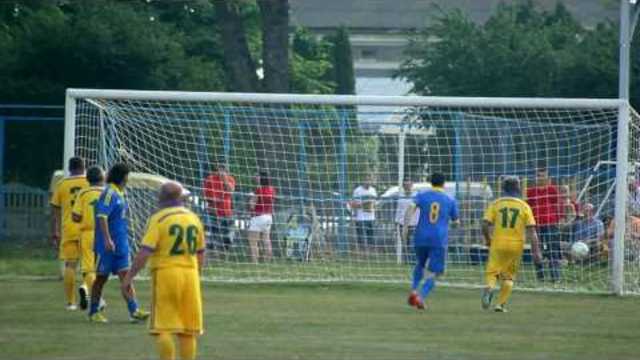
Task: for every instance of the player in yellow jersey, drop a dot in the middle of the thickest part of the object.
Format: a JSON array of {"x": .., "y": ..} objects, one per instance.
[
  {"x": 64, "y": 232},
  {"x": 174, "y": 244},
  {"x": 507, "y": 223},
  {"x": 84, "y": 214}
]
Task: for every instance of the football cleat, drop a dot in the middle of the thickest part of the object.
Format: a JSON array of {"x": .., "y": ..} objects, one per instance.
[
  {"x": 84, "y": 297},
  {"x": 500, "y": 308},
  {"x": 138, "y": 315},
  {"x": 413, "y": 299},
  {"x": 487, "y": 298},
  {"x": 71, "y": 307},
  {"x": 98, "y": 318}
]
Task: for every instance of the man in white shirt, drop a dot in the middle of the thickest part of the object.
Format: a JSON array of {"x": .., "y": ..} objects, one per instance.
[
  {"x": 405, "y": 200},
  {"x": 364, "y": 203}
]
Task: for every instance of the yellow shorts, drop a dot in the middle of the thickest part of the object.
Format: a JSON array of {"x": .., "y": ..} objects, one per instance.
[
  {"x": 503, "y": 263},
  {"x": 87, "y": 256},
  {"x": 69, "y": 250},
  {"x": 176, "y": 304}
]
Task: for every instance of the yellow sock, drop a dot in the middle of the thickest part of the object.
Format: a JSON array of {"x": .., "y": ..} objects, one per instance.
[
  {"x": 505, "y": 291},
  {"x": 88, "y": 279},
  {"x": 69, "y": 285},
  {"x": 166, "y": 347},
  {"x": 187, "y": 347},
  {"x": 491, "y": 280}
]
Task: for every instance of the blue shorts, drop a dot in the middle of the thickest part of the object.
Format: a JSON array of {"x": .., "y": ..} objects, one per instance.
[
  {"x": 437, "y": 256},
  {"x": 111, "y": 263}
]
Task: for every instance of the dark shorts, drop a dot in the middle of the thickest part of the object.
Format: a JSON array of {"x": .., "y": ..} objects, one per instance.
[
  {"x": 111, "y": 263},
  {"x": 436, "y": 255}
]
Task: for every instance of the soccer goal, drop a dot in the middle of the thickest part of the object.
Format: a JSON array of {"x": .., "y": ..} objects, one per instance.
[{"x": 318, "y": 149}]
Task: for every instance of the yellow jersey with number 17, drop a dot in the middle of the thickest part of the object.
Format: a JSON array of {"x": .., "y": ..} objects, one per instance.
[
  {"x": 510, "y": 217},
  {"x": 64, "y": 197},
  {"x": 175, "y": 235}
]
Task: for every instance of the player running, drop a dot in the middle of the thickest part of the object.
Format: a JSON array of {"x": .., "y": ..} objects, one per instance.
[
  {"x": 437, "y": 209},
  {"x": 506, "y": 221},
  {"x": 83, "y": 213},
  {"x": 112, "y": 243},
  {"x": 174, "y": 243},
  {"x": 62, "y": 202}
]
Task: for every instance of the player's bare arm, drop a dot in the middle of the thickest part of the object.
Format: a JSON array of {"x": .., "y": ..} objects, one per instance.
[
  {"x": 138, "y": 264},
  {"x": 532, "y": 234},
  {"x": 104, "y": 227},
  {"x": 486, "y": 232},
  {"x": 55, "y": 225}
]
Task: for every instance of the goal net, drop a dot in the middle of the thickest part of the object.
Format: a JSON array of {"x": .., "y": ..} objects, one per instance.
[{"x": 338, "y": 164}]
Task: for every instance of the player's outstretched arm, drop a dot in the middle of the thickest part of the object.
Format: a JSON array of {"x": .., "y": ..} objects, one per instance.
[
  {"x": 532, "y": 234},
  {"x": 486, "y": 232}
]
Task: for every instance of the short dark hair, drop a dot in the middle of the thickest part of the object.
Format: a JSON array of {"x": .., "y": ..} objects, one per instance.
[
  {"x": 76, "y": 163},
  {"x": 542, "y": 168},
  {"x": 437, "y": 179},
  {"x": 264, "y": 178},
  {"x": 118, "y": 173},
  {"x": 95, "y": 175},
  {"x": 511, "y": 185}
]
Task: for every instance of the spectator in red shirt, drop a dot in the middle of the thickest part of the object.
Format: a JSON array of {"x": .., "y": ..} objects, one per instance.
[
  {"x": 218, "y": 190},
  {"x": 261, "y": 206},
  {"x": 546, "y": 202}
]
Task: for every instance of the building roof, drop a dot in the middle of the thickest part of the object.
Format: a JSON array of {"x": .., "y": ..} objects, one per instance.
[{"x": 413, "y": 14}]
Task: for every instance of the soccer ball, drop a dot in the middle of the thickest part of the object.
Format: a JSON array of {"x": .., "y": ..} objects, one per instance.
[{"x": 579, "y": 250}]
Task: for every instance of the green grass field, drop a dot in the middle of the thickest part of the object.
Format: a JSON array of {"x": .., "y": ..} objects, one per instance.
[
  {"x": 329, "y": 322},
  {"x": 295, "y": 321}
]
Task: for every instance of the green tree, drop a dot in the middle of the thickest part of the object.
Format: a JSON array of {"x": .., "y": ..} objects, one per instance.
[
  {"x": 519, "y": 51},
  {"x": 343, "y": 73}
]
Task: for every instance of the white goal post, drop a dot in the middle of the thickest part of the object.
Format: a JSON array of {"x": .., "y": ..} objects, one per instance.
[{"x": 317, "y": 148}]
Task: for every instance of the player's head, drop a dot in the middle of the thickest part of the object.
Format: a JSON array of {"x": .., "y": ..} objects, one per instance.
[
  {"x": 76, "y": 165},
  {"x": 588, "y": 210},
  {"x": 542, "y": 175},
  {"x": 263, "y": 178},
  {"x": 369, "y": 180},
  {"x": 118, "y": 174},
  {"x": 407, "y": 185},
  {"x": 95, "y": 176},
  {"x": 511, "y": 186},
  {"x": 437, "y": 179},
  {"x": 221, "y": 166},
  {"x": 171, "y": 194}
]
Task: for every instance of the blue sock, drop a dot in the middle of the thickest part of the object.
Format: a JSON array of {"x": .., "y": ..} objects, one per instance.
[
  {"x": 427, "y": 287},
  {"x": 94, "y": 307},
  {"x": 132, "y": 305},
  {"x": 418, "y": 273}
]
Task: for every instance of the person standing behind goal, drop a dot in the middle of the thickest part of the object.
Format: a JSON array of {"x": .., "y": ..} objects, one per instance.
[
  {"x": 261, "y": 206},
  {"x": 174, "y": 244},
  {"x": 545, "y": 201},
  {"x": 218, "y": 192},
  {"x": 364, "y": 204}
]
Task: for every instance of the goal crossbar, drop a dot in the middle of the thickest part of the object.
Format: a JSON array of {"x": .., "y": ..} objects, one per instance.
[{"x": 480, "y": 102}]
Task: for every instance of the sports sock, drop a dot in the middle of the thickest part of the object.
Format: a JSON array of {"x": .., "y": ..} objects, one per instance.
[
  {"x": 94, "y": 307},
  {"x": 69, "y": 285},
  {"x": 505, "y": 291},
  {"x": 166, "y": 347},
  {"x": 418, "y": 273},
  {"x": 188, "y": 347},
  {"x": 427, "y": 287},
  {"x": 132, "y": 305},
  {"x": 491, "y": 281},
  {"x": 88, "y": 280}
]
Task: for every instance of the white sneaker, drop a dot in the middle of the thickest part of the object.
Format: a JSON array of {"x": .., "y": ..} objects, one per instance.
[{"x": 71, "y": 307}]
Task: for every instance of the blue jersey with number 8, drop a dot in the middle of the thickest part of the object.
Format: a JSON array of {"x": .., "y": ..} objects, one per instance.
[{"x": 436, "y": 210}]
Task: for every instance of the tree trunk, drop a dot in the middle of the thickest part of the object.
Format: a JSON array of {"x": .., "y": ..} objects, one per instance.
[
  {"x": 241, "y": 67},
  {"x": 275, "y": 45}
]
